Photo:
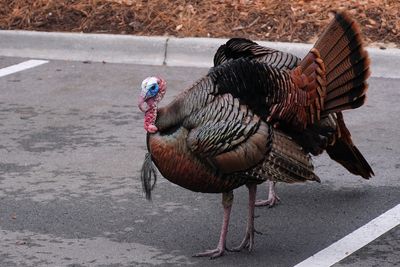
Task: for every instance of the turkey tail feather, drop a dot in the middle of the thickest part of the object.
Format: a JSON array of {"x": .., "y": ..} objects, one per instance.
[
  {"x": 147, "y": 174},
  {"x": 351, "y": 158},
  {"x": 346, "y": 153},
  {"x": 335, "y": 71},
  {"x": 346, "y": 71},
  {"x": 334, "y": 75},
  {"x": 346, "y": 63}
]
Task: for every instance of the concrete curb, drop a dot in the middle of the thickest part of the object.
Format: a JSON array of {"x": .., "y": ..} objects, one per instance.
[
  {"x": 80, "y": 47},
  {"x": 170, "y": 51}
]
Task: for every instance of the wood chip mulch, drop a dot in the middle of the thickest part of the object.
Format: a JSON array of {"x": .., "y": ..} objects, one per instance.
[{"x": 288, "y": 21}]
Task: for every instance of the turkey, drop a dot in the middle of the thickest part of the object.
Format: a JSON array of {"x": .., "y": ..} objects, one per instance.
[
  {"x": 338, "y": 144},
  {"x": 249, "y": 121}
]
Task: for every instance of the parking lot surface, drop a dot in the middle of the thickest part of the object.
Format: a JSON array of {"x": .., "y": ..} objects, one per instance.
[{"x": 71, "y": 147}]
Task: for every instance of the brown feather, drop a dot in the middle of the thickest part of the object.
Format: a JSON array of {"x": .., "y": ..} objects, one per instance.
[
  {"x": 287, "y": 162},
  {"x": 346, "y": 153}
]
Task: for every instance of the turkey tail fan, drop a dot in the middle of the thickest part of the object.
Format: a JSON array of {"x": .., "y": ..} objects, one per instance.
[
  {"x": 147, "y": 174},
  {"x": 346, "y": 153},
  {"x": 335, "y": 71},
  {"x": 334, "y": 74},
  {"x": 346, "y": 70},
  {"x": 346, "y": 64}
]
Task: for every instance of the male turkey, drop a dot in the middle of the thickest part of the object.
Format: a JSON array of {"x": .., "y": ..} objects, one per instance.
[
  {"x": 330, "y": 133},
  {"x": 248, "y": 121}
]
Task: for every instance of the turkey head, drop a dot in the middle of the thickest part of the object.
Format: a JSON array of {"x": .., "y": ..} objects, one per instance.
[{"x": 152, "y": 91}]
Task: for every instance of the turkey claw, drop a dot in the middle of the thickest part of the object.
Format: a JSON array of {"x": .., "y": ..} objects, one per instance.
[
  {"x": 270, "y": 202},
  {"x": 212, "y": 253},
  {"x": 248, "y": 242}
]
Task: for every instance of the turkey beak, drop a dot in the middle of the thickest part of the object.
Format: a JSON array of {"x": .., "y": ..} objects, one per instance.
[{"x": 141, "y": 104}]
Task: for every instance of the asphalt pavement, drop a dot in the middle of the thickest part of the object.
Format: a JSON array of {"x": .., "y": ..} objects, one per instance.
[{"x": 71, "y": 147}]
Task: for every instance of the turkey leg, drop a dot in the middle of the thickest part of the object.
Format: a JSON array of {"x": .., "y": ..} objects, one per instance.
[
  {"x": 227, "y": 199},
  {"x": 272, "y": 197},
  {"x": 248, "y": 240}
]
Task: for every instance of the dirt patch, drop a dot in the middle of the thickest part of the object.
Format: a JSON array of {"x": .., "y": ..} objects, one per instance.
[{"x": 289, "y": 21}]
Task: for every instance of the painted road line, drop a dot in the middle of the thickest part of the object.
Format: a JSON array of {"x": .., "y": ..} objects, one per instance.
[
  {"x": 355, "y": 240},
  {"x": 21, "y": 66}
]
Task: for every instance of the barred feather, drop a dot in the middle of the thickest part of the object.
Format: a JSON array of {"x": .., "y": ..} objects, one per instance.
[{"x": 347, "y": 64}]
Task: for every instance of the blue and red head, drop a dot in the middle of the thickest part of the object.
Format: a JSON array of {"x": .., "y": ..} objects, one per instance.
[{"x": 152, "y": 91}]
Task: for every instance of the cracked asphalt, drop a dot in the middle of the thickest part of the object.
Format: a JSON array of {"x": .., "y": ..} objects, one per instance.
[{"x": 71, "y": 147}]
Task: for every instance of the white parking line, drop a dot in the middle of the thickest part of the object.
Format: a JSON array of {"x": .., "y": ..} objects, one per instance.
[
  {"x": 355, "y": 240},
  {"x": 21, "y": 66}
]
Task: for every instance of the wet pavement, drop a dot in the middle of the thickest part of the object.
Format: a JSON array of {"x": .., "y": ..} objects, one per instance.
[{"x": 71, "y": 147}]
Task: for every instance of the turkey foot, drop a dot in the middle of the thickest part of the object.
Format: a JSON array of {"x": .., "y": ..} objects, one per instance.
[
  {"x": 272, "y": 197},
  {"x": 248, "y": 240},
  {"x": 212, "y": 253},
  {"x": 227, "y": 200}
]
